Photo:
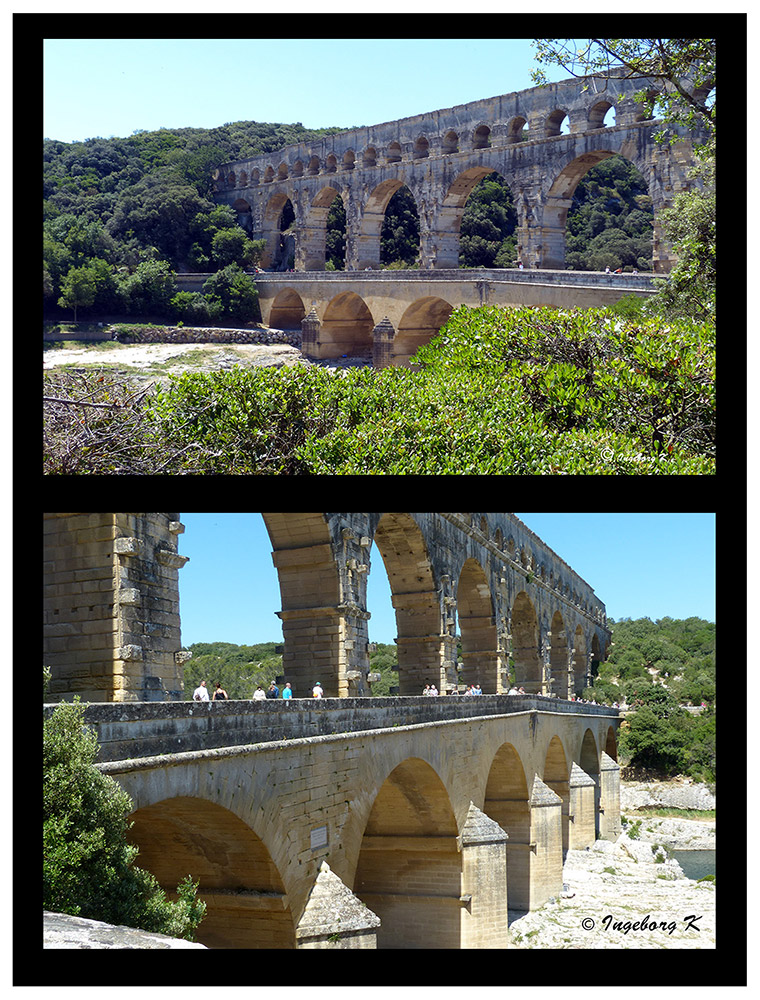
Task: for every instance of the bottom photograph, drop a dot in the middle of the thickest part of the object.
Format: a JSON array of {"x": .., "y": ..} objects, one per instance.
[{"x": 379, "y": 731}]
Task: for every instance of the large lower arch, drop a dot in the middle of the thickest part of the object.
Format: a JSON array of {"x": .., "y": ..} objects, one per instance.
[
  {"x": 310, "y": 252},
  {"x": 507, "y": 802},
  {"x": 346, "y": 328},
  {"x": 559, "y": 199},
  {"x": 271, "y": 227},
  {"x": 287, "y": 310},
  {"x": 419, "y": 324},
  {"x": 557, "y": 777},
  {"x": 448, "y": 220},
  {"x": 421, "y": 646},
  {"x": 246, "y": 904},
  {"x": 366, "y": 252},
  {"x": 477, "y": 626},
  {"x": 409, "y": 867}
]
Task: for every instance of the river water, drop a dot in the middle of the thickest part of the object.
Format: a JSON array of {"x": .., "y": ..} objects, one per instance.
[{"x": 696, "y": 864}]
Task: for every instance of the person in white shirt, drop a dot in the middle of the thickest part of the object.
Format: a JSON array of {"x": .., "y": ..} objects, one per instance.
[
  {"x": 200, "y": 693},
  {"x": 259, "y": 694}
]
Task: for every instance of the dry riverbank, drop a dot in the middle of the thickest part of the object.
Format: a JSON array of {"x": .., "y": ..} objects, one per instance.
[{"x": 618, "y": 896}]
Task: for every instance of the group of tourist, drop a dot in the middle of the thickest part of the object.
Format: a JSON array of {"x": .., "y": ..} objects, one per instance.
[
  {"x": 272, "y": 692},
  {"x": 430, "y": 691}
]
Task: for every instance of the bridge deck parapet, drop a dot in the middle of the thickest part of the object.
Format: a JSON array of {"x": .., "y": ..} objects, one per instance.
[
  {"x": 145, "y": 729},
  {"x": 543, "y": 276}
]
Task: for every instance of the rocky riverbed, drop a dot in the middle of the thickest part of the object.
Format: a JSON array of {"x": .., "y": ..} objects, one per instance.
[
  {"x": 616, "y": 895},
  {"x": 632, "y": 893},
  {"x": 155, "y": 361}
]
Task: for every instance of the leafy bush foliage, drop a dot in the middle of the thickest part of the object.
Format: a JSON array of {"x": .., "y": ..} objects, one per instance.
[
  {"x": 528, "y": 391},
  {"x": 88, "y": 866}
]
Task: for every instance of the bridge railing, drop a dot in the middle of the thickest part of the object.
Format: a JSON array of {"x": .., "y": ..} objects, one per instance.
[
  {"x": 556, "y": 277},
  {"x": 146, "y": 729}
]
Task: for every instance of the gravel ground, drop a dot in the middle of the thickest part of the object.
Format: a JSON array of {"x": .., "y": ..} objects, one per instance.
[{"x": 617, "y": 896}]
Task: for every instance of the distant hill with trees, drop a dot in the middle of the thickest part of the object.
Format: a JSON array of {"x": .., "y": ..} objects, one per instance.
[{"x": 661, "y": 670}]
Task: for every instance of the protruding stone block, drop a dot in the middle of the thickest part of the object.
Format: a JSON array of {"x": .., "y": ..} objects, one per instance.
[{"x": 334, "y": 918}]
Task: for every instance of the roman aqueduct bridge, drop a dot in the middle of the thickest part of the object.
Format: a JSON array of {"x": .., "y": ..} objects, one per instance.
[
  {"x": 351, "y": 822},
  {"x": 112, "y": 625},
  {"x": 440, "y": 157}
]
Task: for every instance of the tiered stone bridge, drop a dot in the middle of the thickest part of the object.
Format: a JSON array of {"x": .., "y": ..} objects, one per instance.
[
  {"x": 406, "y": 822},
  {"x": 440, "y": 156},
  {"x": 361, "y": 823},
  {"x": 388, "y": 315}
]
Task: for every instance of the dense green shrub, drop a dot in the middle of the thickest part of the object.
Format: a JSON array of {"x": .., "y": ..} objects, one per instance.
[
  {"x": 499, "y": 392},
  {"x": 88, "y": 866}
]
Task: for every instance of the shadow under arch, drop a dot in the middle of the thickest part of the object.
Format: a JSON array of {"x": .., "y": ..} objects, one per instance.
[
  {"x": 610, "y": 745},
  {"x": 557, "y": 777},
  {"x": 287, "y": 310},
  {"x": 420, "y": 323},
  {"x": 409, "y": 869},
  {"x": 507, "y": 802},
  {"x": 347, "y": 327},
  {"x": 245, "y": 897},
  {"x": 588, "y": 761}
]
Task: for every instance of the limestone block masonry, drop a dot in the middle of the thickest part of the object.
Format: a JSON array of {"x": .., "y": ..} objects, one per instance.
[
  {"x": 112, "y": 623},
  {"x": 440, "y": 156},
  {"x": 111, "y": 606},
  {"x": 350, "y": 821}
]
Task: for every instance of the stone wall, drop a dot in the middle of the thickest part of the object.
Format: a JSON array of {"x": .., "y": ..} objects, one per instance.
[
  {"x": 136, "y": 730},
  {"x": 111, "y": 606}
]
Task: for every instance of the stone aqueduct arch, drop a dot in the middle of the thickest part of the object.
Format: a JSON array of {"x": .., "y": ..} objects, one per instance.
[
  {"x": 440, "y": 156},
  {"x": 436, "y": 833},
  {"x": 427, "y": 833},
  {"x": 112, "y": 624}
]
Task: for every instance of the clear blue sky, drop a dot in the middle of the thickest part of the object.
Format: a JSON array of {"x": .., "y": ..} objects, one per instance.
[
  {"x": 640, "y": 565},
  {"x": 106, "y": 86}
]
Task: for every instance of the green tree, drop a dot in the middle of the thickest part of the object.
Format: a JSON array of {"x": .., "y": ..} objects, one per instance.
[
  {"x": 88, "y": 866},
  {"x": 234, "y": 246},
  {"x": 235, "y": 291},
  {"x": 400, "y": 234},
  {"x": 488, "y": 225},
  {"x": 78, "y": 289},
  {"x": 150, "y": 289},
  {"x": 677, "y": 76},
  {"x": 690, "y": 226}
]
